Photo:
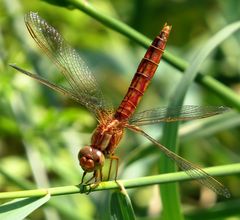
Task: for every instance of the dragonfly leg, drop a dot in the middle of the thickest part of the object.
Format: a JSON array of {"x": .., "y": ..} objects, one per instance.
[
  {"x": 112, "y": 157},
  {"x": 88, "y": 181},
  {"x": 101, "y": 176},
  {"x": 109, "y": 170},
  {"x": 97, "y": 176},
  {"x": 84, "y": 174},
  {"x": 98, "y": 179},
  {"x": 94, "y": 176}
]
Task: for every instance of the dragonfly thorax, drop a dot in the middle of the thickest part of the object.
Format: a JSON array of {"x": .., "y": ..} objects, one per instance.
[
  {"x": 104, "y": 140},
  {"x": 107, "y": 136}
]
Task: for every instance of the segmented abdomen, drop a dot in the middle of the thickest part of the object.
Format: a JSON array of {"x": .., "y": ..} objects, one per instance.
[{"x": 143, "y": 76}]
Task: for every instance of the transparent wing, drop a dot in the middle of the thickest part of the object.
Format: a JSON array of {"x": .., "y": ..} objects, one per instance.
[
  {"x": 53, "y": 86},
  {"x": 192, "y": 170},
  {"x": 179, "y": 113},
  {"x": 81, "y": 82}
]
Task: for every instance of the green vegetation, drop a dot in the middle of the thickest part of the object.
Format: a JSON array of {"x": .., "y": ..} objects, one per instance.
[{"x": 41, "y": 132}]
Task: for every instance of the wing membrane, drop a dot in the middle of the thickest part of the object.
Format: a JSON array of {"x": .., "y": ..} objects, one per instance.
[
  {"x": 53, "y": 86},
  {"x": 179, "y": 113},
  {"x": 192, "y": 170},
  {"x": 82, "y": 83}
]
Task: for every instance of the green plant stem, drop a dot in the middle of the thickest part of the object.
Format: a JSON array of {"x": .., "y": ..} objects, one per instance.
[
  {"x": 132, "y": 183},
  {"x": 170, "y": 195},
  {"x": 111, "y": 22},
  {"x": 219, "y": 89}
]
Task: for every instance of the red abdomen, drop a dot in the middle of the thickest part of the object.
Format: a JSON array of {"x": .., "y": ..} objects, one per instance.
[{"x": 143, "y": 76}]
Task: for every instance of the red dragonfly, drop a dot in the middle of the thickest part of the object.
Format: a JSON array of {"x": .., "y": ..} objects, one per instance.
[{"x": 84, "y": 89}]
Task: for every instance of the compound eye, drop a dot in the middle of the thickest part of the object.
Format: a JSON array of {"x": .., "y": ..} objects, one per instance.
[
  {"x": 99, "y": 159},
  {"x": 87, "y": 164},
  {"x": 90, "y": 159}
]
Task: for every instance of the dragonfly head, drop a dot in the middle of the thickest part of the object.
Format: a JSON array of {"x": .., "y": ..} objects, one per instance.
[{"x": 90, "y": 159}]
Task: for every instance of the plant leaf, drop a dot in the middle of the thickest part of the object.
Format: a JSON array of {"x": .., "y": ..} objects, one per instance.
[
  {"x": 20, "y": 208},
  {"x": 120, "y": 205}
]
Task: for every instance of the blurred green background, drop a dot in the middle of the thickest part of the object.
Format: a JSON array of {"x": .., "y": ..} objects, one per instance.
[{"x": 41, "y": 132}]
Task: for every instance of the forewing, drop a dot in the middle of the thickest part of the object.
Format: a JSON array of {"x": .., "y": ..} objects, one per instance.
[
  {"x": 81, "y": 82},
  {"x": 49, "y": 84},
  {"x": 179, "y": 113}
]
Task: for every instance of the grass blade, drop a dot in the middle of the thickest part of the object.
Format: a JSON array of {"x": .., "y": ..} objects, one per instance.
[
  {"x": 120, "y": 205},
  {"x": 21, "y": 208}
]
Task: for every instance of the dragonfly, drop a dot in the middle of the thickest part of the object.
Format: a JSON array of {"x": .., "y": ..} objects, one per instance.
[{"x": 83, "y": 88}]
